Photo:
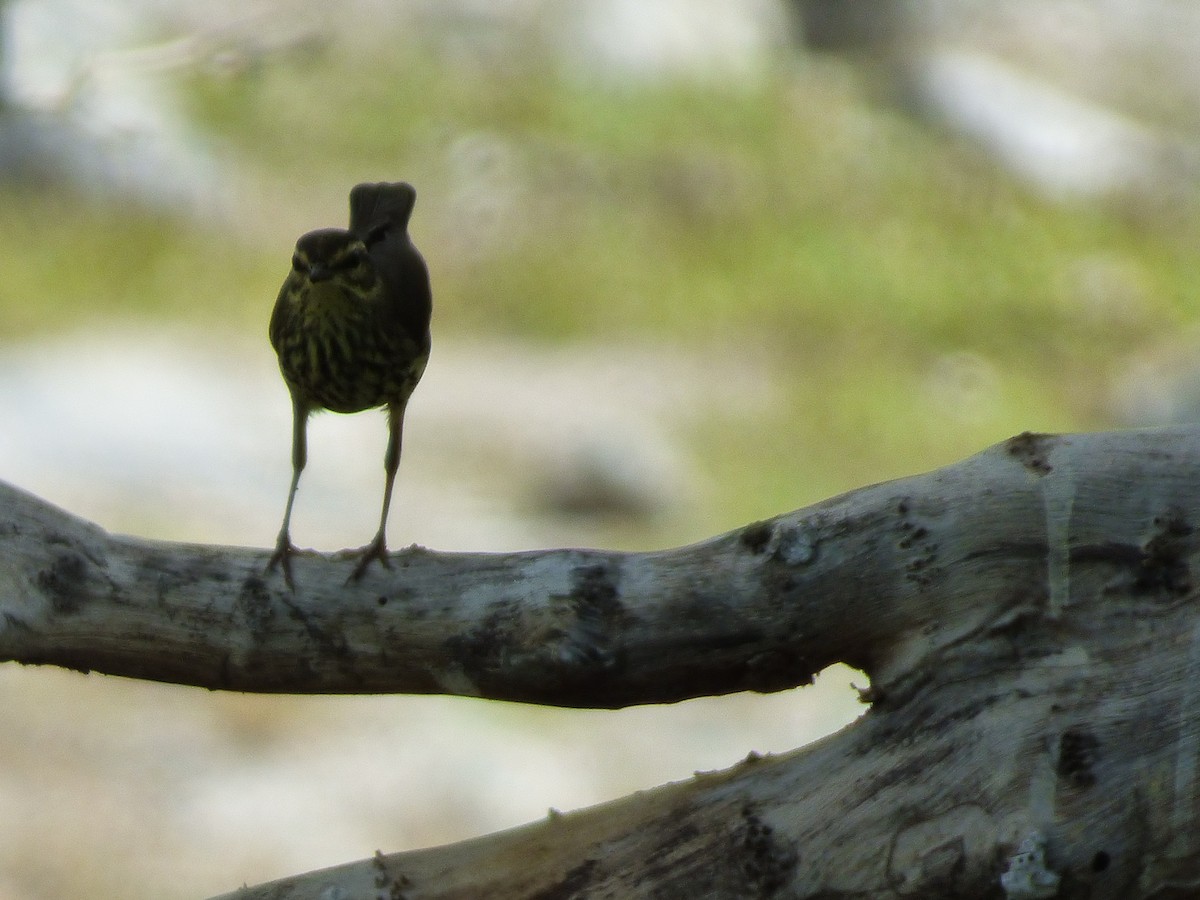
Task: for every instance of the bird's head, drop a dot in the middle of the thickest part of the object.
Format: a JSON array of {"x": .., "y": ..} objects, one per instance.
[{"x": 332, "y": 252}]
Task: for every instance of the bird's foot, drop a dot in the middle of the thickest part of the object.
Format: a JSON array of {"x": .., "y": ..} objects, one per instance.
[
  {"x": 282, "y": 557},
  {"x": 376, "y": 550}
]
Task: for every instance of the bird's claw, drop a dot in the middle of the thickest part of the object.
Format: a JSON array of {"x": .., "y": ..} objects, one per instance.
[
  {"x": 376, "y": 550},
  {"x": 282, "y": 557},
  {"x": 285, "y": 550}
]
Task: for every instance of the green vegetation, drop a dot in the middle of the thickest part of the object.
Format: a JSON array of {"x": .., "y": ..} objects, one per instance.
[
  {"x": 69, "y": 263},
  {"x": 914, "y": 305}
]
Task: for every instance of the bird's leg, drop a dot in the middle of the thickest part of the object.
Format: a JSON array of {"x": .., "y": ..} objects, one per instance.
[
  {"x": 377, "y": 549},
  {"x": 283, "y": 544}
]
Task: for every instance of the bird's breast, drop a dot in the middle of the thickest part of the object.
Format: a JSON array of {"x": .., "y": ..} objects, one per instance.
[{"x": 347, "y": 353}]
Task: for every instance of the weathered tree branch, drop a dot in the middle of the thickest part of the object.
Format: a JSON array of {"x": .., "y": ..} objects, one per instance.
[
  {"x": 854, "y": 579},
  {"x": 1028, "y": 618}
]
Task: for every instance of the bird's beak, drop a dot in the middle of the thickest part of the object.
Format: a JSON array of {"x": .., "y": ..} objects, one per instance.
[{"x": 318, "y": 272}]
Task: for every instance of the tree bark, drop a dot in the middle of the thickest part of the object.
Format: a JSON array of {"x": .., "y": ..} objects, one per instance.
[{"x": 1027, "y": 618}]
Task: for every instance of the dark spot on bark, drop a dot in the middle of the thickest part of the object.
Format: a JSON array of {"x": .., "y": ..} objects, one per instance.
[
  {"x": 756, "y": 536},
  {"x": 766, "y": 861},
  {"x": 574, "y": 643},
  {"x": 913, "y": 535},
  {"x": 1032, "y": 451},
  {"x": 595, "y": 590},
  {"x": 254, "y": 608},
  {"x": 387, "y": 885},
  {"x": 64, "y": 582},
  {"x": 1100, "y": 861},
  {"x": 254, "y": 589},
  {"x": 1078, "y": 753},
  {"x": 382, "y": 601},
  {"x": 921, "y": 568},
  {"x": 1164, "y": 565},
  {"x": 599, "y": 616},
  {"x": 482, "y": 649},
  {"x": 1108, "y": 552},
  {"x": 596, "y": 602},
  {"x": 328, "y": 643},
  {"x": 572, "y": 884}
]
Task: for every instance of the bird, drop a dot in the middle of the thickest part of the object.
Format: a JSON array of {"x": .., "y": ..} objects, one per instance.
[{"x": 351, "y": 329}]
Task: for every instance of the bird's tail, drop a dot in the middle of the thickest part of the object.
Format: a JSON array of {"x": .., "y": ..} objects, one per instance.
[{"x": 378, "y": 208}]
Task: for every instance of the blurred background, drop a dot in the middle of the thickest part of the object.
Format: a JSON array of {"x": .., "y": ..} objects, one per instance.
[{"x": 694, "y": 264}]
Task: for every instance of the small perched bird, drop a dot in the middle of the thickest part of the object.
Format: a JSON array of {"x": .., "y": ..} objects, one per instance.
[{"x": 351, "y": 328}]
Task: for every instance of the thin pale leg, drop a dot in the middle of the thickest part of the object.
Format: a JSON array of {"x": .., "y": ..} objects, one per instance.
[
  {"x": 283, "y": 544},
  {"x": 377, "y": 549}
]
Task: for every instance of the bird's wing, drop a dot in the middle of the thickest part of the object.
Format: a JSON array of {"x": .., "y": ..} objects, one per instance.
[{"x": 283, "y": 315}]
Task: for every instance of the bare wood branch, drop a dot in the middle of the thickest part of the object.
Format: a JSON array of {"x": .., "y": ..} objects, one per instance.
[
  {"x": 761, "y": 608},
  {"x": 565, "y": 627},
  {"x": 1028, "y": 618}
]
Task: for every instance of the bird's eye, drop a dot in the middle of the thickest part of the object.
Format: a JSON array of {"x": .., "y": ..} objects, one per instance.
[{"x": 298, "y": 263}]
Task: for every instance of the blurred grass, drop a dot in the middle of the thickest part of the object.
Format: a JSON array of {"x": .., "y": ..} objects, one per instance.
[
  {"x": 75, "y": 262},
  {"x": 786, "y": 222}
]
